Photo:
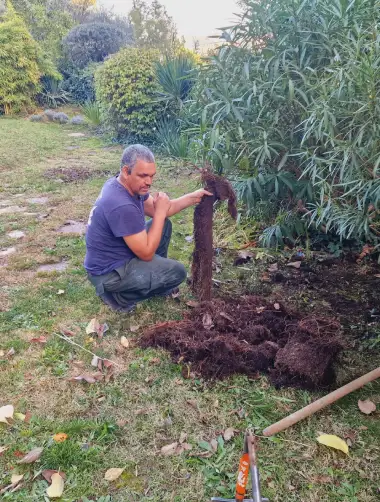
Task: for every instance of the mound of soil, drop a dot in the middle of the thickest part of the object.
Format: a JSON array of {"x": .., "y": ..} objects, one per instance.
[{"x": 249, "y": 334}]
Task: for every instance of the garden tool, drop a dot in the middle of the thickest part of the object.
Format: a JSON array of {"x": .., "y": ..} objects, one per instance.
[{"x": 248, "y": 464}]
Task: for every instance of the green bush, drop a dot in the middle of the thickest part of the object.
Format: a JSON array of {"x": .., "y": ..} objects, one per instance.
[
  {"x": 126, "y": 89},
  {"x": 21, "y": 64},
  {"x": 79, "y": 83}
]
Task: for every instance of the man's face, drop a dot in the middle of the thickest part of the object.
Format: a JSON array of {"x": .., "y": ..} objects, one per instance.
[{"x": 140, "y": 179}]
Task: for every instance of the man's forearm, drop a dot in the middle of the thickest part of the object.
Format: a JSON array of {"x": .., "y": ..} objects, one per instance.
[
  {"x": 155, "y": 234},
  {"x": 177, "y": 205}
]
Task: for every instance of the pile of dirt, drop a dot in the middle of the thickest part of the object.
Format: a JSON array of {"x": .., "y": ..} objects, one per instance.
[
  {"x": 249, "y": 334},
  {"x": 201, "y": 270},
  {"x": 73, "y": 174}
]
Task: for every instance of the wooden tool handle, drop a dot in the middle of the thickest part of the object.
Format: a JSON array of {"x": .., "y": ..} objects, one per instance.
[{"x": 321, "y": 403}]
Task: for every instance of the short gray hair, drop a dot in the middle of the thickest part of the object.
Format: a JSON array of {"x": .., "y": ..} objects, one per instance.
[{"x": 133, "y": 153}]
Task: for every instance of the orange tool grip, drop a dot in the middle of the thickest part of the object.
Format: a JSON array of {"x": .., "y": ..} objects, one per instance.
[{"x": 242, "y": 480}]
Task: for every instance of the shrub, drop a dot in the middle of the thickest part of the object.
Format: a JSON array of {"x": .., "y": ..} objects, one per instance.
[
  {"x": 169, "y": 138},
  {"x": 126, "y": 89},
  {"x": 79, "y": 83},
  {"x": 92, "y": 112},
  {"x": 78, "y": 120},
  {"x": 21, "y": 63},
  {"x": 49, "y": 114},
  {"x": 52, "y": 93},
  {"x": 92, "y": 43},
  {"x": 36, "y": 118},
  {"x": 61, "y": 118}
]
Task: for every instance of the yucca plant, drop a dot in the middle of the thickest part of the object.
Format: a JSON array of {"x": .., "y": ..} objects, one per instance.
[{"x": 171, "y": 140}]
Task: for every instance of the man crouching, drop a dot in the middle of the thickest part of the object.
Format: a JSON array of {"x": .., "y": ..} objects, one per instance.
[{"x": 126, "y": 258}]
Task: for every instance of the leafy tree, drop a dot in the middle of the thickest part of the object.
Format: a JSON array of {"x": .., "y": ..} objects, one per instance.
[
  {"x": 153, "y": 27},
  {"x": 126, "y": 89},
  {"x": 107, "y": 16},
  {"x": 21, "y": 63},
  {"x": 80, "y": 8},
  {"x": 92, "y": 43},
  {"x": 290, "y": 108},
  {"x": 48, "y": 22}
]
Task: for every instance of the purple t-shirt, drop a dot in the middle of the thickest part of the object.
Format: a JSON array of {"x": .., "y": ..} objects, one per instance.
[{"x": 116, "y": 214}]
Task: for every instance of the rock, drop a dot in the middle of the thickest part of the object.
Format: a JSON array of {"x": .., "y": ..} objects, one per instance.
[
  {"x": 73, "y": 227},
  {"x": 76, "y": 135},
  {"x": 72, "y": 147},
  {"x": 16, "y": 234},
  {"x": 11, "y": 209},
  {"x": 38, "y": 200},
  {"x": 78, "y": 120},
  {"x": 53, "y": 267},
  {"x": 7, "y": 252}
]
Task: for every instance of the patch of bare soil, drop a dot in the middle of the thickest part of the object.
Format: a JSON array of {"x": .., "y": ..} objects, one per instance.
[
  {"x": 249, "y": 334},
  {"x": 69, "y": 174}
]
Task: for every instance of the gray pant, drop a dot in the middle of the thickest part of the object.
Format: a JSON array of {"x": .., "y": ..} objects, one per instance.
[{"x": 139, "y": 280}]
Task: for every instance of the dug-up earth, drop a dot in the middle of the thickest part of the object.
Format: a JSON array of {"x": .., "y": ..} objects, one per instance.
[{"x": 90, "y": 393}]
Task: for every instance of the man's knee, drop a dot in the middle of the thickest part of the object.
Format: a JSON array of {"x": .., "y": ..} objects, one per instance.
[{"x": 180, "y": 272}]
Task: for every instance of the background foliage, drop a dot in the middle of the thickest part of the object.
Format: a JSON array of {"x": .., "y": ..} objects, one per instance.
[{"x": 126, "y": 88}]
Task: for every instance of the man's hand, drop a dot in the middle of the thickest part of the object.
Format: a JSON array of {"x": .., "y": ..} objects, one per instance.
[
  {"x": 197, "y": 196},
  {"x": 161, "y": 203}
]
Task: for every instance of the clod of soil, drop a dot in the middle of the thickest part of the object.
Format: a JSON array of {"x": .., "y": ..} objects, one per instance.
[
  {"x": 203, "y": 249},
  {"x": 249, "y": 334}
]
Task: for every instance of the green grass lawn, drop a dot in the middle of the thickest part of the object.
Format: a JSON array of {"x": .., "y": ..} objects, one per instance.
[{"x": 147, "y": 404}]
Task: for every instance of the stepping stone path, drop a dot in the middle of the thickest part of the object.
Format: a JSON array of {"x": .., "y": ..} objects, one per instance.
[
  {"x": 7, "y": 252},
  {"x": 53, "y": 267},
  {"x": 16, "y": 234},
  {"x": 73, "y": 227},
  {"x": 38, "y": 200},
  {"x": 72, "y": 147},
  {"x": 76, "y": 135},
  {"x": 11, "y": 210}
]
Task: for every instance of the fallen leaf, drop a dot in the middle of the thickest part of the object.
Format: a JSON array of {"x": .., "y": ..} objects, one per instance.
[
  {"x": 124, "y": 342},
  {"x": 20, "y": 416},
  {"x": 214, "y": 445},
  {"x": 11, "y": 352},
  {"x": 55, "y": 490},
  {"x": 60, "y": 437},
  {"x": 277, "y": 306},
  {"x": 193, "y": 304},
  {"x": 67, "y": 332},
  {"x": 377, "y": 275},
  {"x": 243, "y": 257},
  {"x": 169, "y": 449},
  {"x": 85, "y": 378},
  {"x": 18, "y": 454},
  {"x": 187, "y": 446},
  {"x": 32, "y": 456},
  {"x": 121, "y": 423},
  {"x": 100, "y": 399},
  {"x": 2, "y": 353},
  {"x": 113, "y": 474},
  {"x": 367, "y": 407},
  {"x": 192, "y": 403},
  {"x": 265, "y": 277},
  {"x": 142, "y": 411},
  {"x": 40, "y": 339},
  {"x": 228, "y": 434},
  {"x": 363, "y": 428},
  {"x": 226, "y": 316},
  {"x": 294, "y": 264},
  {"x": 134, "y": 328},
  {"x": 333, "y": 442},
  {"x": 3, "y": 449},
  {"x": 47, "y": 474},
  {"x": 95, "y": 361},
  {"x": 93, "y": 326},
  {"x": 107, "y": 363},
  {"x": 322, "y": 479},
  {"x": 182, "y": 437},
  {"x": 61, "y": 292},
  {"x": 16, "y": 478},
  {"x": 259, "y": 310},
  {"x": 6, "y": 412},
  {"x": 205, "y": 445},
  {"x": 207, "y": 321},
  {"x": 273, "y": 267}
]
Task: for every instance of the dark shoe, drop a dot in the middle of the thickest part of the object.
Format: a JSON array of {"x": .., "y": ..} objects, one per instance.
[{"x": 109, "y": 300}]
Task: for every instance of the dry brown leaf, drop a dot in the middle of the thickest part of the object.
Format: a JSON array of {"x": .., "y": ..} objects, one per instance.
[
  {"x": 11, "y": 352},
  {"x": 367, "y": 407},
  {"x": 182, "y": 437},
  {"x": 228, "y": 434},
  {"x": 214, "y": 445},
  {"x": 16, "y": 478},
  {"x": 93, "y": 326},
  {"x": 2, "y": 353},
  {"x": 133, "y": 329},
  {"x": 124, "y": 342},
  {"x": 113, "y": 474},
  {"x": 47, "y": 474},
  {"x": 226, "y": 316},
  {"x": 40, "y": 339},
  {"x": 60, "y": 437},
  {"x": 95, "y": 361},
  {"x": 32, "y": 456},
  {"x": 207, "y": 321},
  {"x": 6, "y": 412},
  {"x": 56, "y": 488},
  {"x": 3, "y": 449},
  {"x": 83, "y": 378},
  {"x": 193, "y": 304},
  {"x": 187, "y": 446},
  {"x": 169, "y": 449},
  {"x": 259, "y": 310},
  {"x": 142, "y": 411},
  {"x": 294, "y": 264},
  {"x": 192, "y": 403}
]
